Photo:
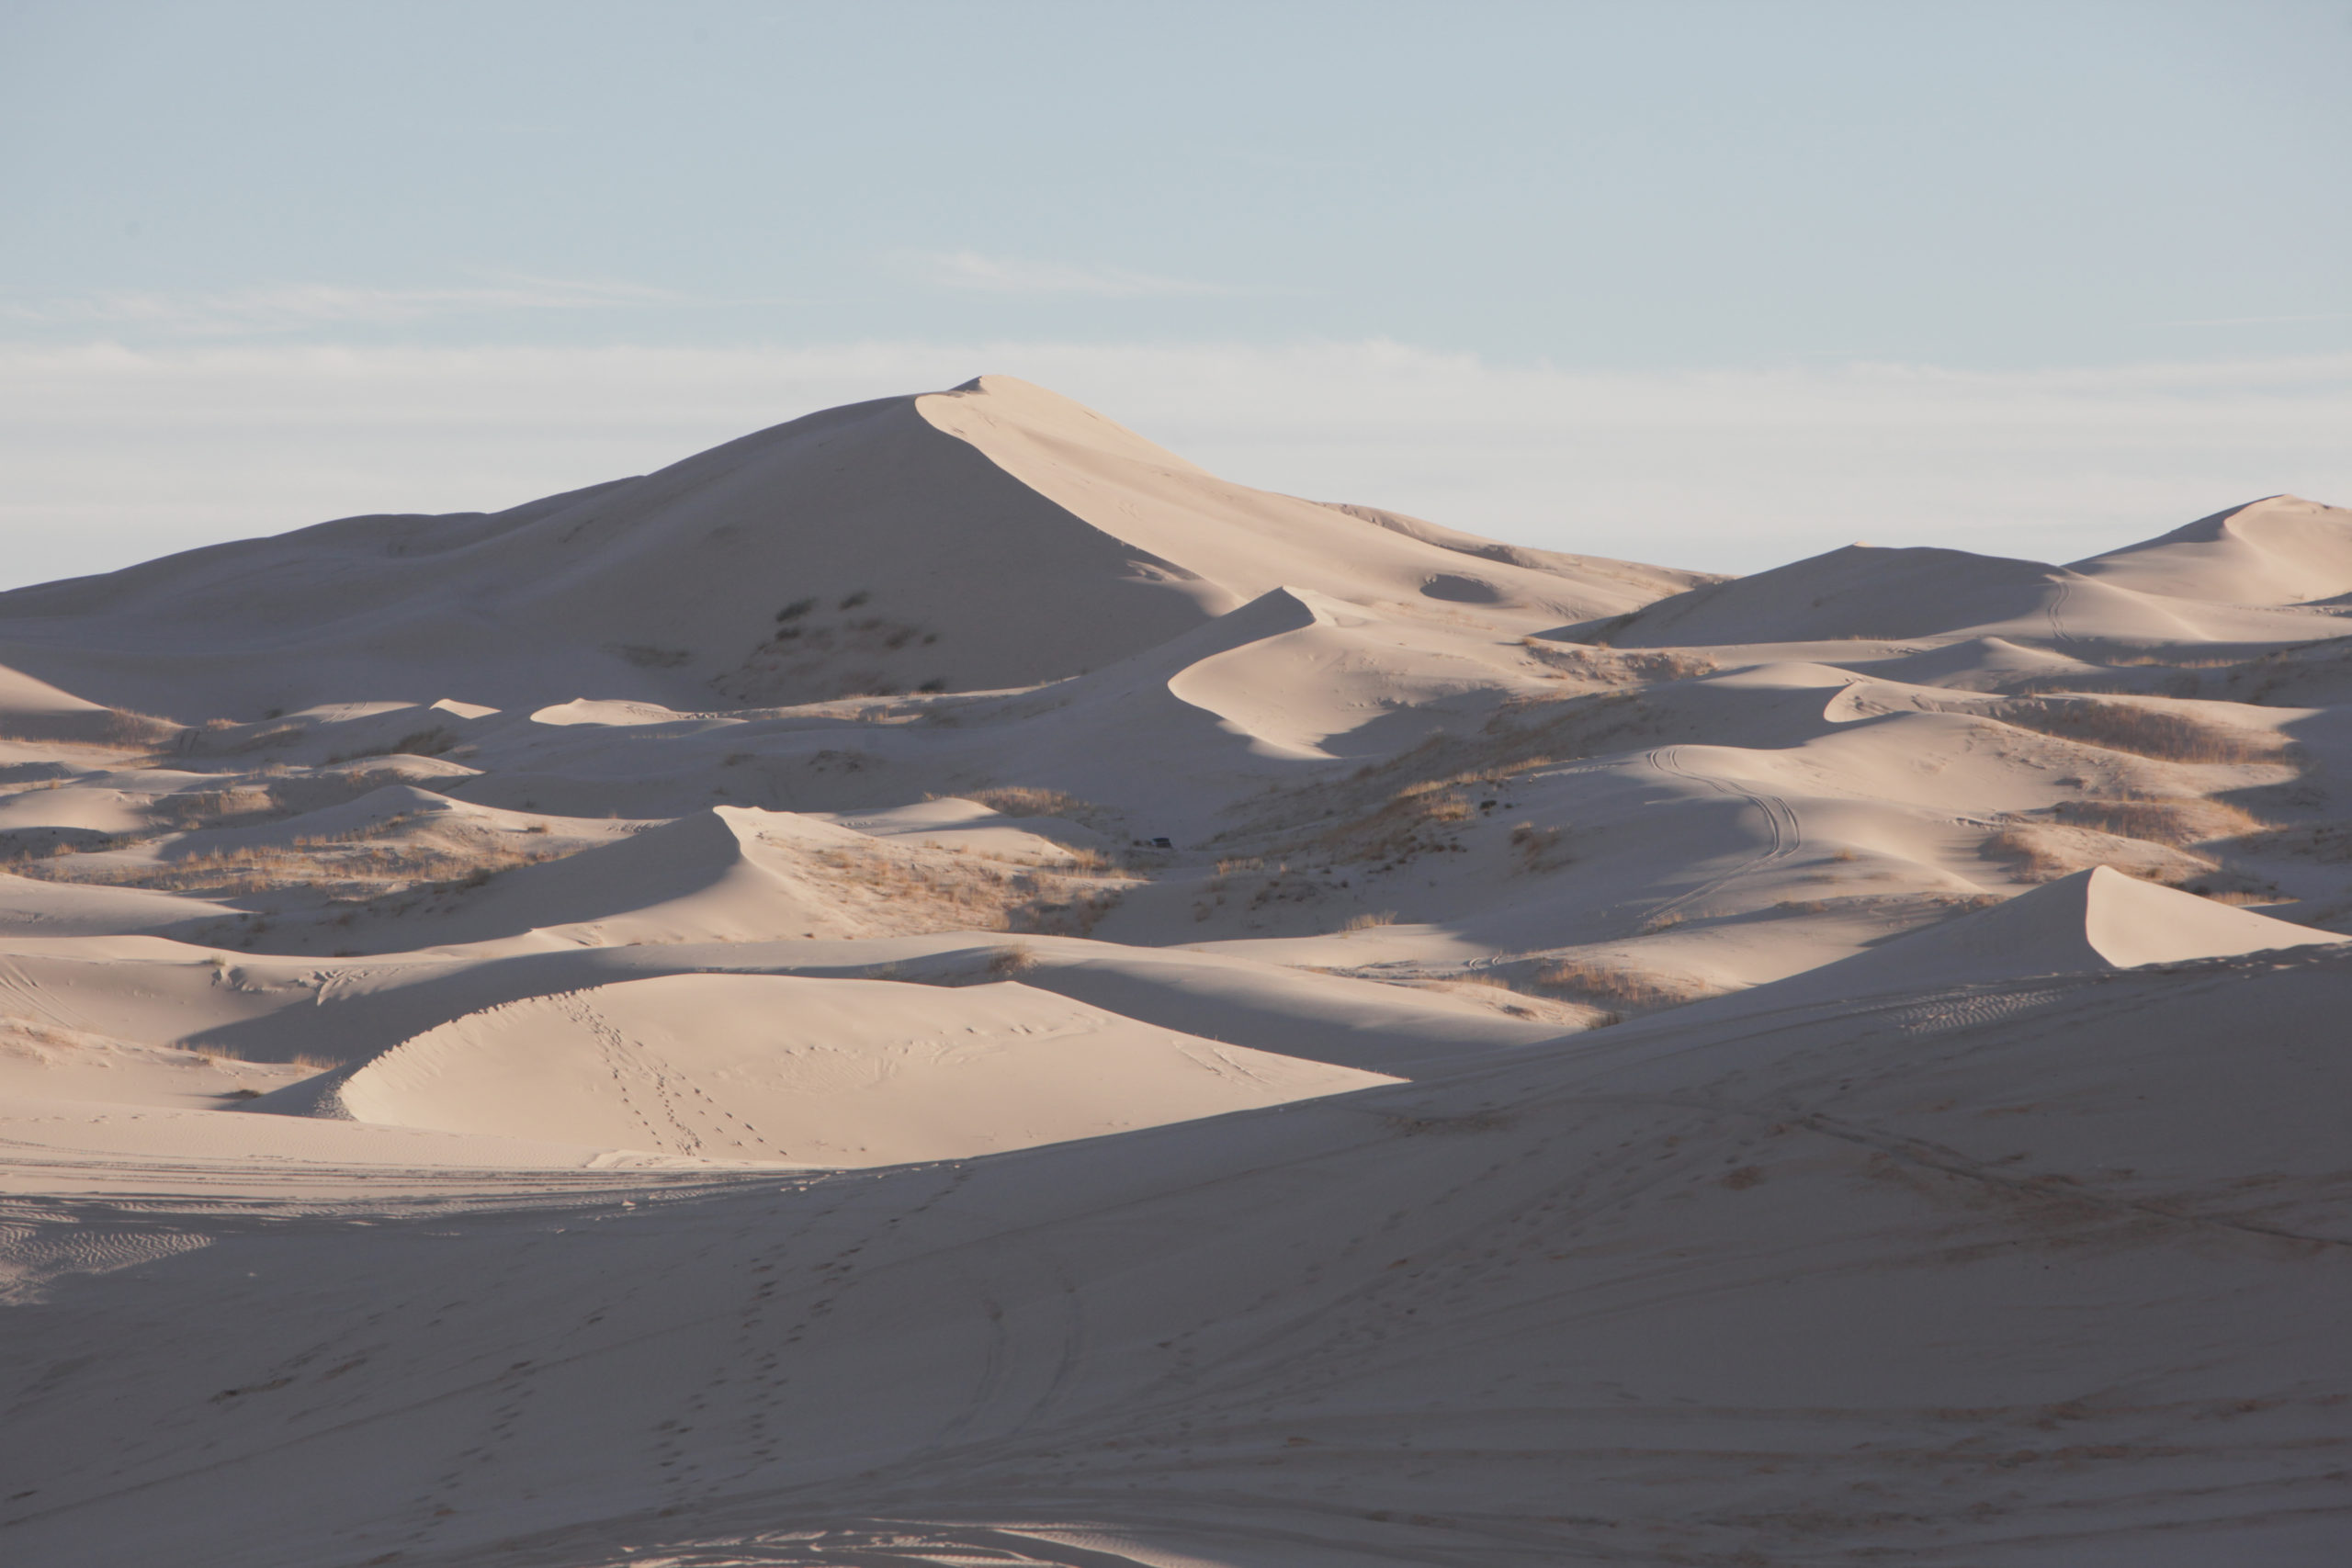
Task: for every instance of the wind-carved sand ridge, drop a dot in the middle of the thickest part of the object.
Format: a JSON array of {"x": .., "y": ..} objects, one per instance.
[{"x": 937, "y": 985}]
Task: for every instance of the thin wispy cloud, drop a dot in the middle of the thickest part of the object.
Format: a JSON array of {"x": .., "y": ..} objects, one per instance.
[
  {"x": 972, "y": 271},
  {"x": 2262, "y": 320},
  {"x": 297, "y": 306},
  {"x": 1731, "y": 469}
]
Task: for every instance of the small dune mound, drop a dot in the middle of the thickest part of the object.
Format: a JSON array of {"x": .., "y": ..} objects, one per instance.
[
  {"x": 2094, "y": 920},
  {"x": 32, "y": 709},
  {"x": 2281, "y": 550},
  {"x": 1867, "y": 593},
  {"x": 785, "y": 1069}
]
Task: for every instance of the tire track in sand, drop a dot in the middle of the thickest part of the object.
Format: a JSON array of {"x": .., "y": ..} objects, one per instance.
[{"x": 1780, "y": 816}]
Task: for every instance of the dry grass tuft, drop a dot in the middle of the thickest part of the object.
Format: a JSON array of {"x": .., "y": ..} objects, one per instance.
[
  {"x": 1014, "y": 959},
  {"x": 1020, "y": 800},
  {"x": 1539, "y": 848},
  {"x": 1369, "y": 920},
  {"x": 345, "y": 869}
]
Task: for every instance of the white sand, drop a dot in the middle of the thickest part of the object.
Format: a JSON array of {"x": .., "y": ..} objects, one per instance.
[{"x": 1322, "y": 1040}]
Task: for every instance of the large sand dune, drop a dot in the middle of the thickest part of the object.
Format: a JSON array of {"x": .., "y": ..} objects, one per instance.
[
  {"x": 939, "y": 985},
  {"x": 995, "y": 536}
]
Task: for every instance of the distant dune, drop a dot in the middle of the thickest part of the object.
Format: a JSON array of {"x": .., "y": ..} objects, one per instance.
[{"x": 939, "y": 985}]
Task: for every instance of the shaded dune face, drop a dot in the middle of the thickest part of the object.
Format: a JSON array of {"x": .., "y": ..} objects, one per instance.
[{"x": 938, "y": 985}]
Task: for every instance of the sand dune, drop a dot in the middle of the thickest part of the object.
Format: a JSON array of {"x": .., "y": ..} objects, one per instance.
[
  {"x": 1864, "y": 593},
  {"x": 814, "y": 1072},
  {"x": 1716, "y": 1254},
  {"x": 937, "y": 984},
  {"x": 2282, "y": 550},
  {"x": 2092, "y": 920}
]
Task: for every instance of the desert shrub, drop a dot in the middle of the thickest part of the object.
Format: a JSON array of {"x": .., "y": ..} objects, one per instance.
[
  {"x": 208, "y": 807},
  {"x": 417, "y": 743},
  {"x": 1408, "y": 823},
  {"x": 1021, "y": 800},
  {"x": 1013, "y": 959},
  {"x": 1539, "y": 848},
  {"x": 2032, "y": 853},
  {"x": 1370, "y": 919}
]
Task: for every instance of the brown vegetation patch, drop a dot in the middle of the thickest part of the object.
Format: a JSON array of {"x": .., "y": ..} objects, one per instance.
[
  {"x": 112, "y": 729},
  {"x": 1013, "y": 959},
  {"x": 1024, "y": 800},
  {"x": 2044, "y": 852},
  {"x": 2140, "y": 730},
  {"x": 1610, "y": 666},
  {"x": 342, "y": 869},
  {"x": 1618, "y": 984},
  {"x": 1539, "y": 848},
  {"x": 1412, "y": 822},
  {"x": 2176, "y": 821},
  {"x": 917, "y": 892}
]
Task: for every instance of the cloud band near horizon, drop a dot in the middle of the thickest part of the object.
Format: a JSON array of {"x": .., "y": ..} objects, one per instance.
[{"x": 117, "y": 454}]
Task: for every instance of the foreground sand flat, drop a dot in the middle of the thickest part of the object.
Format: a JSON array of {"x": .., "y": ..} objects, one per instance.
[{"x": 937, "y": 985}]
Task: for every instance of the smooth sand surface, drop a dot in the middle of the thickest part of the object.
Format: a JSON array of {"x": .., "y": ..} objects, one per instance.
[{"x": 939, "y": 985}]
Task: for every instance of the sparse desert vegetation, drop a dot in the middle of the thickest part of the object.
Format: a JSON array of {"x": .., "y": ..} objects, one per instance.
[
  {"x": 1618, "y": 984},
  {"x": 2141, "y": 730}
]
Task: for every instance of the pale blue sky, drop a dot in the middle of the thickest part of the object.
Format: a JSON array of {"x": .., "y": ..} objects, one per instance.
[{"x": 1690, "y": 195}]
